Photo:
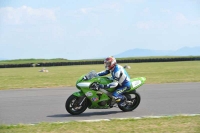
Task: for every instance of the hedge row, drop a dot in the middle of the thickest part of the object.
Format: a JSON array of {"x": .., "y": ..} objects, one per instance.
[{"x": 99, "y": 62}]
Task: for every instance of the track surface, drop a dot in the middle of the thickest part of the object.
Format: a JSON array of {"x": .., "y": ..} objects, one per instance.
[{"x": 48, "y": 105}]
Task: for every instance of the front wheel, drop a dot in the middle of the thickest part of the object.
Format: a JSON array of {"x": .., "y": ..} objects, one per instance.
[
  {"x": 133, "y": 100},
  {"x": 76, "y": 105}
]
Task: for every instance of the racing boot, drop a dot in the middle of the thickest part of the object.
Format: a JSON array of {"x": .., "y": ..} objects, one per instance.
[{"x": 122, "y": 101}]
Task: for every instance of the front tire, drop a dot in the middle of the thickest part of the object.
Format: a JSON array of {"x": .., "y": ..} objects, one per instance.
[
  {"x": 135, "y": 98},
  {"x": 72, "y": 105}
]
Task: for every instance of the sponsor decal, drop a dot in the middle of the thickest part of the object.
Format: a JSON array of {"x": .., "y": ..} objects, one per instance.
[
  {"x": 120, "y": 91},
  {"x": 88, "y": 94},
  {"x": 136, "y": 83},
  {"x": 95, "y": 99}
]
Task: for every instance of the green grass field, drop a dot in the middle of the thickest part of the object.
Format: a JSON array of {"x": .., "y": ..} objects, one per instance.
[
  {"x": 178, "y": 124},
  {"x": 63, "y": 76}
]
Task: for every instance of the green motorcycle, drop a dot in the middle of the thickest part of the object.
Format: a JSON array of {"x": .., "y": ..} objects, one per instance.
[{"x": 88, "y": 97}]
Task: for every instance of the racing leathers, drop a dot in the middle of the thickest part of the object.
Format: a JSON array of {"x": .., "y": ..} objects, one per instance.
[{"x": 121, "y": 81}]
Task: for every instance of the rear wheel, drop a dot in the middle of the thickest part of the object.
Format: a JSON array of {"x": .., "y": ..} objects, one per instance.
[
  {"x": 73, "y": 106},
  {"x": 133, "y": 100}
]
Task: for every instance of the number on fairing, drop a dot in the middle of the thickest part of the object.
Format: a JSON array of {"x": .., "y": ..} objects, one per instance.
[{"x": 136, "y": 83}]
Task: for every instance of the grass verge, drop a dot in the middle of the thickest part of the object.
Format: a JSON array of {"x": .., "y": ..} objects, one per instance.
[{"x": 177, "y": 124}]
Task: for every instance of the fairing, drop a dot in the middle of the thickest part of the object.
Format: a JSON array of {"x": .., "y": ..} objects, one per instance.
[{"x": 84, "y": 86}]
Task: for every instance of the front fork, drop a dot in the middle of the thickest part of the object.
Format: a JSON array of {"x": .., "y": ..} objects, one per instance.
[{"x": 81, "y": 98}]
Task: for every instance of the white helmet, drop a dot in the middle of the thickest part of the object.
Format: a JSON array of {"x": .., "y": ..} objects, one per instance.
[{"x": 110, "y": 63}]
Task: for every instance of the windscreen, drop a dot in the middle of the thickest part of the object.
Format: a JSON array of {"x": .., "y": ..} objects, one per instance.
[{"x": 91, "y": 75}]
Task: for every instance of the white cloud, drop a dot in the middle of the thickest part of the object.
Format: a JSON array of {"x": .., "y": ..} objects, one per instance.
[
  {"x": 182, "y": 20},
  {"x": 134, "y": 1},
  {"x": 145, "y": 11},
  {"x": 168, "y": 11},
  {"x": 195, "y": 22},
  {"x": 26, "y": 14},
  {"x": 92, "y": 32},
  {"x": 96, "y": 10},
  {"x": 145, "y": 25},
  {"x": 179, "y": 20},
  {"x": 86, "y": 10},
  {"x": 180, "y": 17},
  {"x": 151, "y": 25}
]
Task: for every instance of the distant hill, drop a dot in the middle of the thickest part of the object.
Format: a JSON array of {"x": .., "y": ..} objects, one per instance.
[{"x": 185, "y": 51}]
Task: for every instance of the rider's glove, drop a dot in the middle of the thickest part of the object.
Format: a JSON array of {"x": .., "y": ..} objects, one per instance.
[
  {"x": 103, "y": 86},
  {"x": 94, "y": 87},
  {"x": 99, "y": 86}
]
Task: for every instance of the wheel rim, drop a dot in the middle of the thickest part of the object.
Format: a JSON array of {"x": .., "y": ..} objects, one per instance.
[
  {"x": 74, "y": 105},
  {"x": 134, "y": 101}
]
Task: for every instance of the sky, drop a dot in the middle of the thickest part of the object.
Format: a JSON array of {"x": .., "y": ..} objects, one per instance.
[{"x": 90, "y": 29}]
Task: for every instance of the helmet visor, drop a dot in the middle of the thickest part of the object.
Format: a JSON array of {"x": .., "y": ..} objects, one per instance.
[{"x": 107, "y": 64}]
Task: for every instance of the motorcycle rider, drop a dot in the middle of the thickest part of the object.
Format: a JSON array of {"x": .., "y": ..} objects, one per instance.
[{"x": 121, "y": 79}]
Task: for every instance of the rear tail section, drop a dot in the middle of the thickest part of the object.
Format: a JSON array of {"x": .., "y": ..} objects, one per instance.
[{"x": 137, "y": 82}]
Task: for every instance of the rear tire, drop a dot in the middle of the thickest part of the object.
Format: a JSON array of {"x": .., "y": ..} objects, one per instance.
[
  {"x": 72, "y": 105},
  {"x": 136, "y": 101}
]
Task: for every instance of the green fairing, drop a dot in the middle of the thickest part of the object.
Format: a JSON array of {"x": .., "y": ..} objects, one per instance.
[
  {"x": 79, "y": 80},
  {"x": 94, "y": 98},
  {"x": 78, "y": 94},
  {"x": 139, "y": 82}
]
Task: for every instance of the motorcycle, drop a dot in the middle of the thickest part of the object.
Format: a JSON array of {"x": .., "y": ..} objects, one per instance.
[{"x": 89, "y": 97}]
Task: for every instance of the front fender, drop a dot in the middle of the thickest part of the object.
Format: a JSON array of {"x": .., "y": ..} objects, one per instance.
[{"x": 78, "y": 94}]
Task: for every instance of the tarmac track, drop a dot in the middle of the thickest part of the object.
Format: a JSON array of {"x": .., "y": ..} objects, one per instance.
[{"x": 30, "y": 106}]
